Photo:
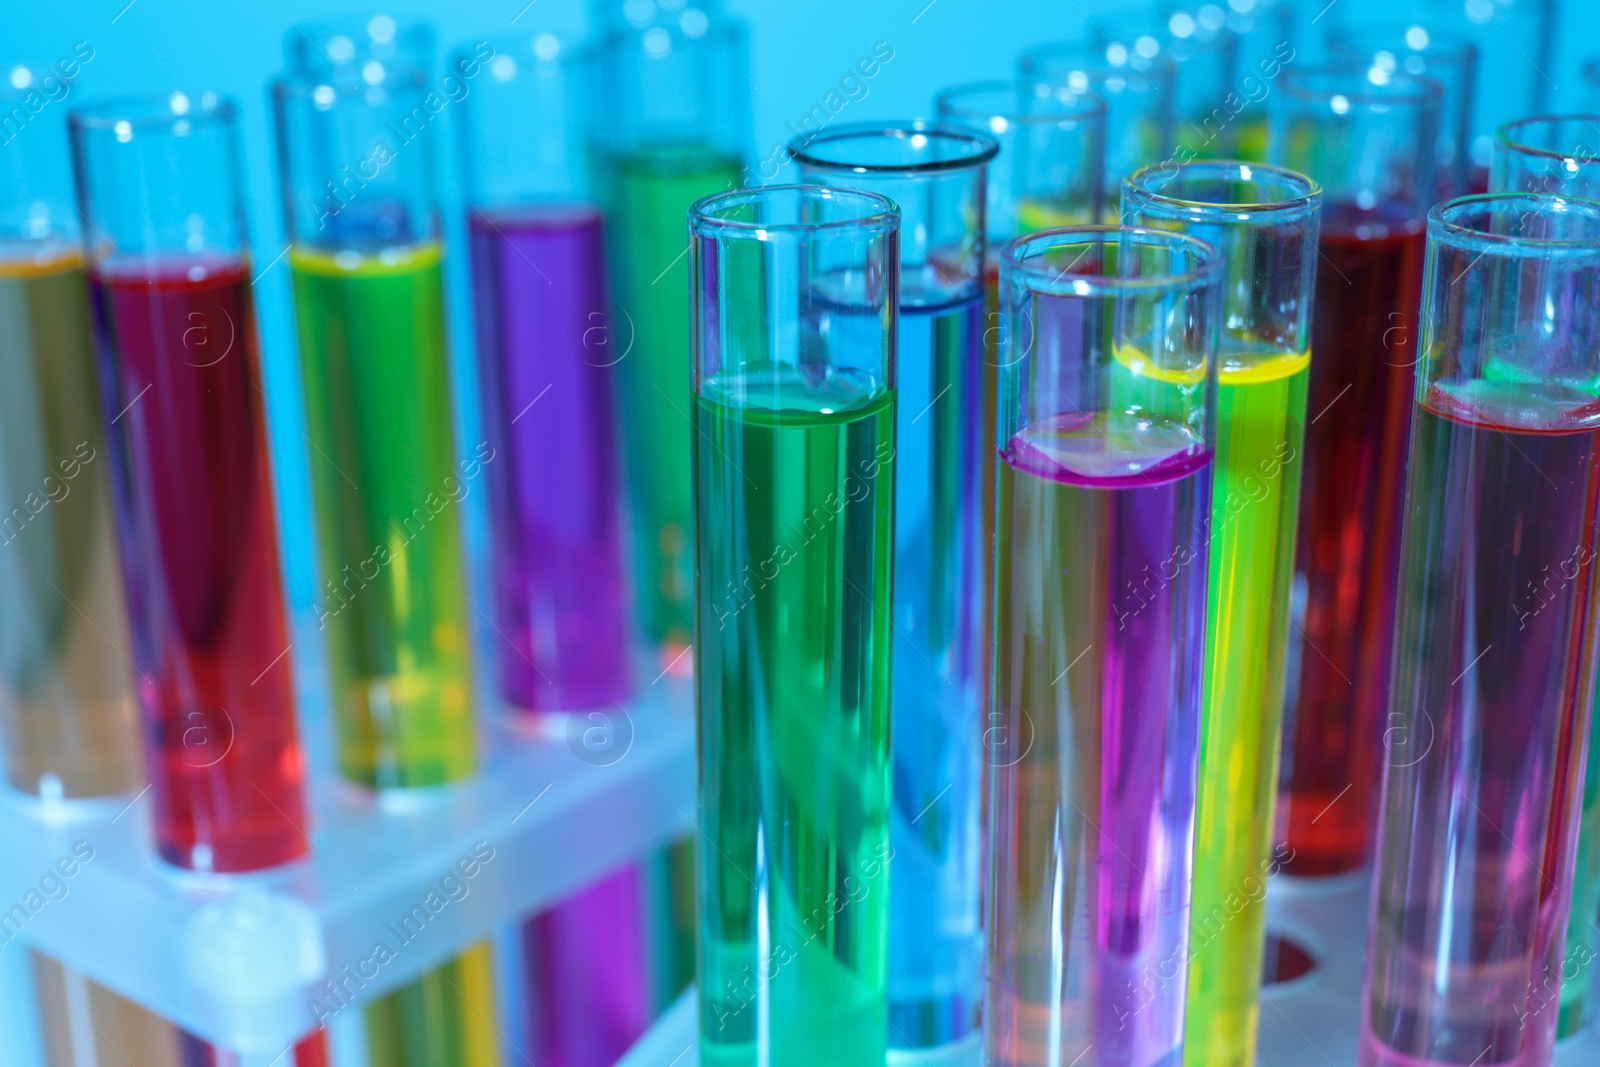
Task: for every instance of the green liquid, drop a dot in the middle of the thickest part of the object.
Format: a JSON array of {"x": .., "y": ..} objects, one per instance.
[
  {"x": 387, "y": 487},
  {"x": 795, "y": 520},
  {"x": 372, "y": 351},
  {"x": 66, "y": 708},
  {"x": 651, "y": 192},
  {"x": 1261, "y": 405}
]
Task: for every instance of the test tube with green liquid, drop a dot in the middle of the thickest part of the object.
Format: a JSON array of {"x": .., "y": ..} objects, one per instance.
[
  {"x": 356, "y": 138},
  {"x": 677, "y": 127},
  {"x": 794, "y": 408},
  {"x": 1265, "y": 221}
]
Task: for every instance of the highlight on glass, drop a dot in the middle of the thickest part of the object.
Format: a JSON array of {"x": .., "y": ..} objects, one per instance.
[
  {"x": 159, "y": 182},
  {"x": 1137, "y": 90},
  {"x": 1493, "y": 667},
  {"x": 546, "y": 363},
  {"x": 387, "y": 485},
  {"x": 677, "y": 105},
  {"x": 1264, "y": 220},
  {"x": 1548, "y": 154},
  {"x": 1369, "y": 142},
  {"x": 1416, "y": 49},
  {"x": 937, "y": 176},
  {"x": 1107, "y": 433},
  {"x": 67, "y": 711},
  {"x": 793, "y": 313}
]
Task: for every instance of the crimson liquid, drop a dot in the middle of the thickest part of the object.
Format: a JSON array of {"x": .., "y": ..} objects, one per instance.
[
  {"x": 1364, "y": 330},
  {"x": 189, "y": 471}
]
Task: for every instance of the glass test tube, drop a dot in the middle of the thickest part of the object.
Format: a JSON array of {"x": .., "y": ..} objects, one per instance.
[
  {"x": 1267, "y": 38},
  {"x": 1138, "y": 93},
  {"x": 66, "y": 707},
  {"x": 936, "y": 175},
  {"x": 1494, "y": 647},
  {"x": 1264, "y": 220},
  {"x": 1104, "y": 451},
  {"x": 538, "y": 263},
  {"x": 1558, "y": 154},
  {"x": 794, "y": 456},
  {"x": 1369, "y": 144},
  {"x": 1203, "y": 57},
  {"x": 1417, "y": 50},
  {"x": 160, "y": 185},
  {"x": 356, "y": 145},
  {"x": 1047, "y": 173},
  {"x": 678, "y": 111}
]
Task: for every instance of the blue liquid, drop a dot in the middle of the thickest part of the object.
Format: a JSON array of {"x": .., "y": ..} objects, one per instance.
[{"x": 935, "y": 934}]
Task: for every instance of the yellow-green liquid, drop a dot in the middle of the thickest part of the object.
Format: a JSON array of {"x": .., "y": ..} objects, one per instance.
[{"x": 1261, "y": 404}]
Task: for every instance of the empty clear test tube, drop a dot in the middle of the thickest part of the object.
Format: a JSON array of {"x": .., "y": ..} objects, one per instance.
[
  {"x": 1104, "y": 456},
  {"x": 1264, "y": 220},
  {"x": 357, "y": 114},
  {"x": 1494, "y": 647},
  {"x": 937, "y": 177},
  {"x": 1368, "y": 139},
  {"x": 795, "y": 457},
  {"x": 677, "y": 106}
]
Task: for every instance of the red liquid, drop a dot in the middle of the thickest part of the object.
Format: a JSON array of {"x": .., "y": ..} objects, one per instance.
[
  {"x": 1363, "y": 355},
  {"x": 193, "y": 493}
]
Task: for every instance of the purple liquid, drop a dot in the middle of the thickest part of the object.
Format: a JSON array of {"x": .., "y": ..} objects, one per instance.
[
  {"x": 545, "y": 358},
  {"x": 1485, "y": 742},
  {"x": 1092, "y": 740},
  {"x": 588, "y": 983}
]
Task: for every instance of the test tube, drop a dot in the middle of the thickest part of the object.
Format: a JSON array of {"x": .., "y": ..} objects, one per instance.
[
  {"x": 678, "y": 109},
  {"x": 795, "y": 404},
  {"x": 1369, "y": 142},
  {"x": 357, "y": 113},
  {"x": 544, "y": 334},
  {"x": 1138, "y": 94},
  {"x": 538, "y": 264},
  {"x": 1104, "y": 455},
  {"x": 66, "y": 707},
  {"x": 1557, "y": 154},
  {"x": 1494, "y": 653},
  {"x": 1264, "y": 220},
  {"x": 1419, "y": 49},
  {"x": 937, "y": 177},
  {"x": 160, "y": 186}
]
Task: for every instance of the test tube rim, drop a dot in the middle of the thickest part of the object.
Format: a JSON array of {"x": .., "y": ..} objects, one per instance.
[
  {"x": 293, "y": 83},
  {"x": 1506, "y": 136},
  {"x": 1261, "y": 212},
  {"x": 211, "y": 107},
  {"x": 1443, "y": 227},
  {"x": 1161, "y": 72},
  {"x": 985, "y": 148},
  {"x": 1444, "y": 46},
  {"x": 574, "y": 47},
  {"x": 1207, "y": 271},
  {"x": 884, "y": 219},
  {"x": 1399, "y": 91},
  {"x": 944, "y": 104}
]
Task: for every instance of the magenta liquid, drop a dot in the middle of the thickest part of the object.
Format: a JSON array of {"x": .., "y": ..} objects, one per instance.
[
  {"x": 589, "y": 986},
  {"x": 1091, "y": 743},
  {"x": 545, "y": 358},
  {"x": 1485, "y": 741}
]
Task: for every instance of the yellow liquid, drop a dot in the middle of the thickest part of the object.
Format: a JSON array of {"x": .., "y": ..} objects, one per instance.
[{"x": 1261, "y": 405}]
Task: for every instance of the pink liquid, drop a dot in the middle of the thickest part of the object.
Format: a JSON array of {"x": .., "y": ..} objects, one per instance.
[{"x": 1487, "y": 720}]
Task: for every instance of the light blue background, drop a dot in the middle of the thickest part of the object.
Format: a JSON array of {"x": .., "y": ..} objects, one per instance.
[{"x": 800, "y": 50}]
